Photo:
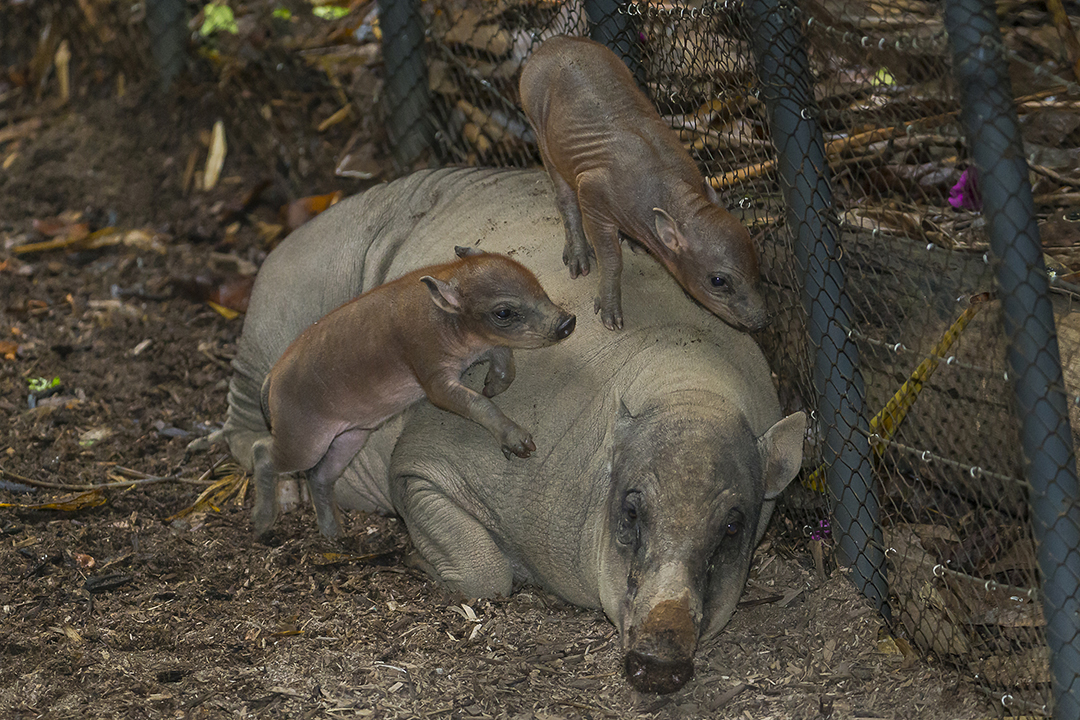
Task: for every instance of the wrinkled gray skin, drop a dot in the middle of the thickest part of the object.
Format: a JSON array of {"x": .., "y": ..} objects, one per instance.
[
  {"x": 617, "y": 167},
  {"x": 659, "y": 450}
]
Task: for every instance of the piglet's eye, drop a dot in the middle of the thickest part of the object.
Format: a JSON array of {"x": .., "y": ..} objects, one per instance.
[
  {"x": 502, "y": 315},
  {"x": 733, "y": 528}
]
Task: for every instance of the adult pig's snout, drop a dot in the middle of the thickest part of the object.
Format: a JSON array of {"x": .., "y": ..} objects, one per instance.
[
  {"x": 565, "y": 328},
  {"x": 660, "y": 656},
  {"x": 648, "y": 673}
]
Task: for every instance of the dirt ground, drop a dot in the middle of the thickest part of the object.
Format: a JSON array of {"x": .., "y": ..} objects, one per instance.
[{"x": 118, "y": 609}]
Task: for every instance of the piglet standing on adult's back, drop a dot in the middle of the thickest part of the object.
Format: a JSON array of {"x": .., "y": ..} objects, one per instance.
[
  {"x": 393, "y": 345},
  {"x": 617, "y": 167}
]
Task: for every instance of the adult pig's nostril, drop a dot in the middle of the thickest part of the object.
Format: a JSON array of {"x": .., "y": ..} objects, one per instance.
[
  {"x": 567, "y": 327},
  {"x": 651, "y": 674}
]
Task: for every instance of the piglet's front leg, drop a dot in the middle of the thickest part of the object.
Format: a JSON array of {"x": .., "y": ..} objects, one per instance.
[
  {"x": 449, "y": 394},
  {"x": 500, "y": 372}
]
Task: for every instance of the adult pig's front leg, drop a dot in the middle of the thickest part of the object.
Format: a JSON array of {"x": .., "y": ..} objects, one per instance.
[
  {"x": 447, "y": 392},
  {"x": 459, "y": 551}
]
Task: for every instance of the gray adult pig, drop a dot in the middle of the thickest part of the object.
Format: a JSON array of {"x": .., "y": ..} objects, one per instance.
[{"x": 660, "y": 449}]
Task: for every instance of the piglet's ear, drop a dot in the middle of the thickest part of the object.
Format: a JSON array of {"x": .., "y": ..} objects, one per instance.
[
  {"x": 668, "y": 231},
  {"x": 463, "y": 252},
  {"x": 445, "y": 296},
  {"x": 710, "y": 192}
]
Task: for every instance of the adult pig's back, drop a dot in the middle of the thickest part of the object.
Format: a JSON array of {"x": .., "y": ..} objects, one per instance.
[{"x": 350, "y": 248}]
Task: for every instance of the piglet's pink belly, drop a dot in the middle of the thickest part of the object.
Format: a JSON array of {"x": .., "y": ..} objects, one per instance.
[{"x": 368, "y": 410}]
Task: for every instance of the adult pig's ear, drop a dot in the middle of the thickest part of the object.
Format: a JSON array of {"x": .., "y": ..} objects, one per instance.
[
  {"x": 781, "y": 452},
  {"x": 668, "y": 231},
  {"x": 445, "y": 296}
]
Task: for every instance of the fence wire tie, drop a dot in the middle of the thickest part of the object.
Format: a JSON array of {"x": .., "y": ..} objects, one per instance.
[
  {"x": 926, "y": 456},
  {"x": 939, "y": 571},
  {"x": 975, "y": 472},
  {"x": 881, "y": 44}
]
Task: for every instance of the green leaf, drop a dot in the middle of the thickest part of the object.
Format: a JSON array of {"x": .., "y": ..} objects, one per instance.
[
  {"x": 330, "y": 12},
  {"x": 40, "y": 384},
  {"x": 218, "y": 17},
  {"x": 884, "y": 77},
  {"x": 282, "y": 13}
]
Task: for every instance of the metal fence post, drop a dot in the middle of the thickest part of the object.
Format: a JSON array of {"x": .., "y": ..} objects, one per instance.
[
  {"x": 783, "y": 72},
  {"x": 167, "y": 22},
  {"x": 408, "y": 99},
  {"x": 993, "y": 137},
  {"x": 614, "y": 29}
]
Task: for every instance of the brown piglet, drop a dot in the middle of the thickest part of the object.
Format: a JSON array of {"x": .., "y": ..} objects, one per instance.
[
  {"x": 617, "y": 167},
  {"x": 393, "y": 345}
]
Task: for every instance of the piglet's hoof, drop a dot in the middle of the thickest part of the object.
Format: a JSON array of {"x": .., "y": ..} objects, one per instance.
[
  {"x": 518, "y": 442},
  {"x": 610, "y": 314},
  {"x": 576, "y": 264}
]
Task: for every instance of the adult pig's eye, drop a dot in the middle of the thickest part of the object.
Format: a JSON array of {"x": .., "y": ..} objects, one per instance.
[
  {"x": 720, "y": 282},
  {"x": 734, "y": 524},
  {"x": 628, "y": 532}
]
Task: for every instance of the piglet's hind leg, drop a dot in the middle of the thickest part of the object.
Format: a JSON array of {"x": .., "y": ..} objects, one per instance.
[{"x": 322, "y": 477}]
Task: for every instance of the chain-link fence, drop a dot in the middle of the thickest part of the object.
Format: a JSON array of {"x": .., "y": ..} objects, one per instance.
[
  {"x": 880, "y": 155},
  {"x": 875, "y": 152}
]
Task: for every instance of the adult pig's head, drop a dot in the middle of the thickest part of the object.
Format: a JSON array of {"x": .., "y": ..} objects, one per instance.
[
  {"x": 498, "y": 299},
  {"x": 688, "y": 482},
  {"x": 713, "y": 257}
]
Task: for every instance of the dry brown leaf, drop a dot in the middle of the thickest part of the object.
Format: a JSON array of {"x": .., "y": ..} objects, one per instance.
[{"x": 71, "y": 502}]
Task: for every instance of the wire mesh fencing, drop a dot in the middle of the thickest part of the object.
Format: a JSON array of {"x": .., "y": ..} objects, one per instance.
[
  {"x": 909, "y": 173},
  {"x": 876, "y": 153}
]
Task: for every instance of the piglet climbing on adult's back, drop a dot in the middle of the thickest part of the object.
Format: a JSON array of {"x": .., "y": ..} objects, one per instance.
[
  {"x": 388, "y": 348},
  {"x": 617, "y": 167}
]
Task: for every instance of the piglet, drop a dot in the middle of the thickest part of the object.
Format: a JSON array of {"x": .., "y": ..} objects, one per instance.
[
  {"x": 617, "y": 167},
  {"x": 388, "y": 348}
]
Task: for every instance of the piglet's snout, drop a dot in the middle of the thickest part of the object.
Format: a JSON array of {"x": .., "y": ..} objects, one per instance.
[{"x": 565, "y": 328}]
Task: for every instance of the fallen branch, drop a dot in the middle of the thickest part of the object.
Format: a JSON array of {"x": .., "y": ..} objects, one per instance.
[
  {"x": 1054, "y": 175},
  {"x": 118, "y": 482},
  {"x": 835, "y": 147}
]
